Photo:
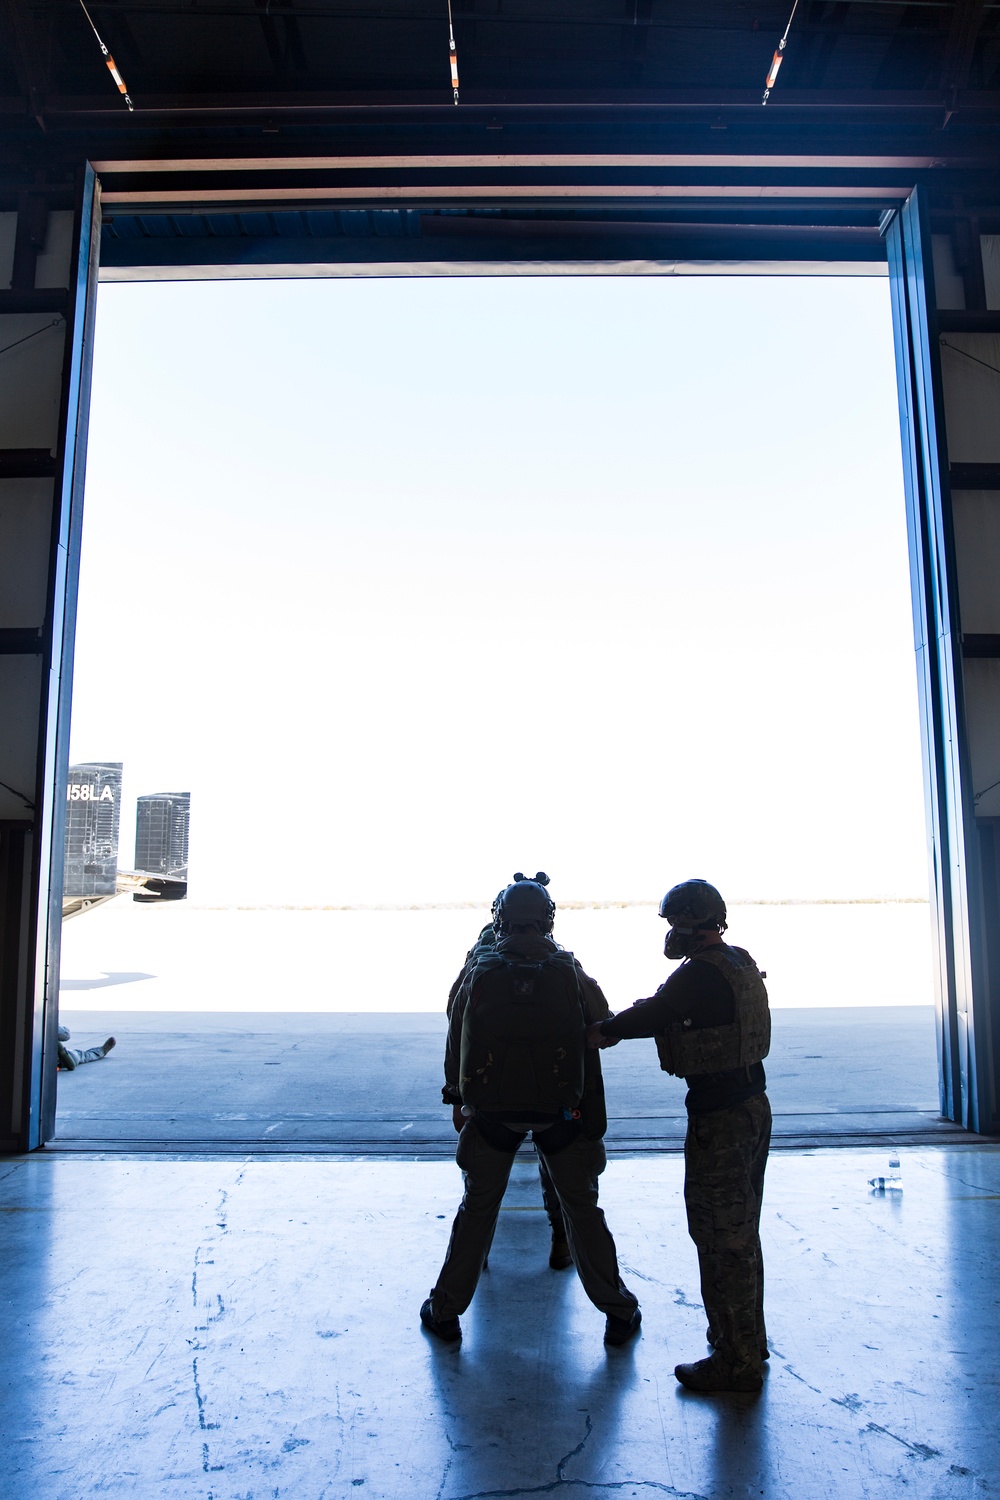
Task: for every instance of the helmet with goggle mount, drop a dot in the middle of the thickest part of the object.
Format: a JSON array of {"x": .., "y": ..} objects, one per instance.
[{"x": 524, "y": 903}]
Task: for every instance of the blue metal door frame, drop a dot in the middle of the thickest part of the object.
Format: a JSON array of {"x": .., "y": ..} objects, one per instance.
[
  {"x": 960, "y": 979},
  {"x": 64, "y": 576},
  {"x": 32, "y": 974}
]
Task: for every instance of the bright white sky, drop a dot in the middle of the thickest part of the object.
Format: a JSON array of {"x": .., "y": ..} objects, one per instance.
[{"x": 413, "y": 583}]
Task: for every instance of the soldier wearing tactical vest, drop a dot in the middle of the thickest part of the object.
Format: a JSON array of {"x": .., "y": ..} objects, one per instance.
[
  {"x": 517, "y": 1063},
  {"x": 712, "y": 1027},
  {"x": 559, "y": 1257}
]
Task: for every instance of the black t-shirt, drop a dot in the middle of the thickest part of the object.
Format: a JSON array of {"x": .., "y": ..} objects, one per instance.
[{"x": 696, "y": 991}]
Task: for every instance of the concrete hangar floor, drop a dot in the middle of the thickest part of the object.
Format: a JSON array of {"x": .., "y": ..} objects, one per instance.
[{"x": 241, "y": 1329}]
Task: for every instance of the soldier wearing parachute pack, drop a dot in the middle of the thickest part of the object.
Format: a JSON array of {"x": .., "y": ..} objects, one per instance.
[
  {"x": 517, "y": 1063},
  {"x": 713, "y": 1028},
  {"x": 559, "y": 1257}
]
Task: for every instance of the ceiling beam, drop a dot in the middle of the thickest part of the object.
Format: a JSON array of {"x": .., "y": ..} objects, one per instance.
[
  {"x": 27, "y": 57},
  {"x": 287, "y": 55},
  {"x": 303, "y": 102},
  {"x": 421, "y": 194},
  {"x": 963, "y": 33},
  {"x": 959, "y": 49},
  {"x": 503, "y": 161}
]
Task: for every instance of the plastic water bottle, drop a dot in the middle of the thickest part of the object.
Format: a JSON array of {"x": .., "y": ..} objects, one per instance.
[{"x": 892, "y": 1182}]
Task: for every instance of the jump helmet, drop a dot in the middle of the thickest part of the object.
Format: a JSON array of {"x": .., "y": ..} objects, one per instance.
[
  {"x": 524, "y": 903},
  {"x": 694, "y": 903}
]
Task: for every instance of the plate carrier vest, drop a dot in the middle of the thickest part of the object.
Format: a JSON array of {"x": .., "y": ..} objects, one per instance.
[{"x": 686, "y": 1050}]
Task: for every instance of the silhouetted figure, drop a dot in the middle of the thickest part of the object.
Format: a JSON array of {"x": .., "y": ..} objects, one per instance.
[
  {"x": 517, "y": 1063},
  {"x": 560, "y": 1258},
  {"x": 72, "y": 1057},
  {"x": 713, "y": 1027}
]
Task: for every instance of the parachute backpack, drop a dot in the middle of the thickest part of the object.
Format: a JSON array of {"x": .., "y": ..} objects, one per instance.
[
  {"x": 523, "y": 1042},
  {"x": 523, "y": 1037}
]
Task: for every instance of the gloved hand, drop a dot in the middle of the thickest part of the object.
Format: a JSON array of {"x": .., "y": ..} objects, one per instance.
[{"x": 596, "y": 1037}]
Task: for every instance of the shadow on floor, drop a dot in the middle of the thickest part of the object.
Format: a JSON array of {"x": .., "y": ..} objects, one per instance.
[{"x": 182, "y": 1329}]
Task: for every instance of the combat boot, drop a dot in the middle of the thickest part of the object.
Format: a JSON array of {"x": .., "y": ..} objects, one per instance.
[
  {"x": 716, "y": 1374},
  {"x": 447, "y": 1329},
  {"x": 618, "y": 1331},
  {"x": 559, "y": 1256}
]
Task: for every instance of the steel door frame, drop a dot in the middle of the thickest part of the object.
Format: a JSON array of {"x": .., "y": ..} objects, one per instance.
[{"x": 955, "y": 900}]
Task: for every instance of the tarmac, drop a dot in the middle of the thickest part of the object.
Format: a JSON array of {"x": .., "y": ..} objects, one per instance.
[{"x": 345, "y": 1084}]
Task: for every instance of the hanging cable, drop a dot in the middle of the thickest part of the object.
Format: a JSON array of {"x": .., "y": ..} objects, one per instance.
[
  {"x": 452, "y": 54},
  {"x": 776, "y": 60},
  {"x": 26, "y": 800},
  {"x": 966, "y": 355},
  {"x": 112, "y": 69},
  {"x": 28, "y": 336}
]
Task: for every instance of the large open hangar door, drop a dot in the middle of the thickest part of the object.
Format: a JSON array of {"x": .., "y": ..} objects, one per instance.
[
  {"x": 946, "y": 315},
  {"x": 48, "y": 254},
  {"x": 331, "y": 144}
]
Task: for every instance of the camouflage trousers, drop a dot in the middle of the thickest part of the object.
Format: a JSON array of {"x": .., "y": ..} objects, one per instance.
[
  {"x": 573, "y": 1173},
  {"x": 71, "y": 1057},
  {"x": 725, "y": 1154}
]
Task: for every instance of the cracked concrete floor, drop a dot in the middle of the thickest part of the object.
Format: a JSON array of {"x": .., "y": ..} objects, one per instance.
[{"x": 246, "y": 1331}]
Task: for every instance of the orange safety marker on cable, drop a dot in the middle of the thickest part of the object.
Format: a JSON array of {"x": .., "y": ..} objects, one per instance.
[
  {"x": 778, "y": 58},
  {"x": 112, "y": 69},
  {"x": 452, "y": 54}
]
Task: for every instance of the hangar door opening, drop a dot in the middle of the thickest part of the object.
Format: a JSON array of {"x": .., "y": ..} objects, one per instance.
[{"x": 394, "y": 587}]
